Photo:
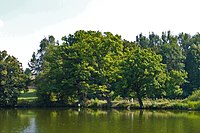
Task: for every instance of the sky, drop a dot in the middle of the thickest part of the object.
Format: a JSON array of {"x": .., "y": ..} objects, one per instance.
[{"x": 24, "y": 23}]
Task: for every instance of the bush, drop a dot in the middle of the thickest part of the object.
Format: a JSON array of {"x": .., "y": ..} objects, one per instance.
[
  {"x": 195, "y": 96},
  {"x": 180, "y": 105},
  {"x": 194, "y": 105},
  {"x": 96, "y": 103}
]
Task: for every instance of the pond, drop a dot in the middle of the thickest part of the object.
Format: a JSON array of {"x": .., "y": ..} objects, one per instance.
[{"x": 97, "y": 121}]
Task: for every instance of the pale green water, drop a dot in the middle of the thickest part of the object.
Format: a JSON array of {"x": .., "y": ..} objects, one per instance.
[{"x": 90, "y": 121}]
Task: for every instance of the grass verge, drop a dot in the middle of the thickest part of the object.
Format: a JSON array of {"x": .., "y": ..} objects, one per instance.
[{"x": 29, "y": 99}]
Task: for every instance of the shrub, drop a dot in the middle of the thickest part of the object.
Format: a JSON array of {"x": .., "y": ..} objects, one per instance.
[
  {"x": 194, "y": 105},
  {"x": 195, "y": 96}
]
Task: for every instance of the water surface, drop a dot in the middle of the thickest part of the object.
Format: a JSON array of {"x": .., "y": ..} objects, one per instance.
[{"x": 97, "y": 121}]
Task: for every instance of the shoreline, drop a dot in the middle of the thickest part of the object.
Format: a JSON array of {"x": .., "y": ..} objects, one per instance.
[{"x": 161, "y": 104}]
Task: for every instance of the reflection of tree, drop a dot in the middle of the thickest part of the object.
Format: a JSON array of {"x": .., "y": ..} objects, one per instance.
[
  {"x": 11, "y": 121},
  {"x": 141, "y": 113},
  {"x": 98, "y": 121}
]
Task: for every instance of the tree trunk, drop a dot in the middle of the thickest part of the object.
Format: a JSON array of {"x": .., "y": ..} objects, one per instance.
[
  {"x": 109, "y": 103},
  {"x": 108, "y": 100},
  {"x": 140, "y": 100},
  {"x": 79, "y": 93}
]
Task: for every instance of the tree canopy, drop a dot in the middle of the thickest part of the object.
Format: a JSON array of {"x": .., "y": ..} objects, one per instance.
[
  {"x": 144, "y": 74},
  {"x": 92, "y": 64},
  {"x": 12, "y": 79}
]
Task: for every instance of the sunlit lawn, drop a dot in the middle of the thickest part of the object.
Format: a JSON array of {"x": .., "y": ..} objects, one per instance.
[{"x": 30, "y": 95}]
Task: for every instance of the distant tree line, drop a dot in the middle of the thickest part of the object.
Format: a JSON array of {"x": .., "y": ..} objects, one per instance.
[{"x": 92, "y": 64}]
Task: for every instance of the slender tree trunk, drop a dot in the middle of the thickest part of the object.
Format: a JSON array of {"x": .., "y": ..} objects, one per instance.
[
  {"x": 108, "y": 100},
  {"x": 109, "y": 103},
  {"x": 140, "y": 100}
]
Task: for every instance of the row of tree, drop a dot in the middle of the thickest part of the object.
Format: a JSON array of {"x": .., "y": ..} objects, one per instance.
[{"x": 91, "y": 64}]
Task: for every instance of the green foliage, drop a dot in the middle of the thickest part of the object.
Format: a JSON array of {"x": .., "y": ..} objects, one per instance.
[
  {"x": 144, "y": 74},
  {"x": 36, "y": 62},
  {"x": 76, "y": 68},
  {"x": 91, "y": 64},
  {"x": 96, "y": 103},
  {"x": 193, "y": 68},
  {"x": 178, "y": 105},
  {"x": 173, "y": 83},
  {"x": 173, "y": 50},
  {"x": 194, "y": 105},
  {"x": 195, "y": 96},
  {"x": 172, "y": 56},
  {"x": 12, "y": 79}
]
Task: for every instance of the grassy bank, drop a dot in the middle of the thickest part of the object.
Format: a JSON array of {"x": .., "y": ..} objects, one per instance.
[
  {"x": 29, "y": 99},
  {"x": 148, "y": 104}
]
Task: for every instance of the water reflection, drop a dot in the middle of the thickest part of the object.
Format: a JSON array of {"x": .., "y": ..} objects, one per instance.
[
  {"x": 98, "y": 121},
  {"x": 12, "y": 121},
  {"x": 31, "y": 128}
]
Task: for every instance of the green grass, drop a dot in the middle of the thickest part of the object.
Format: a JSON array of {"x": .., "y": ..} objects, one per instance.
[
  {"x": 149, "y": 104},
  {"x": 27, "y": 97}
]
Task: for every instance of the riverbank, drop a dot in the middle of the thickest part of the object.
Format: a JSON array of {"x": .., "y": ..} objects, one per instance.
[
  {"x": 163, "y": 104},
  {"x": 29, "y": 99}
]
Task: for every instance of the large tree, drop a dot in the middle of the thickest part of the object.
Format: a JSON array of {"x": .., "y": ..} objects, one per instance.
[
  {"x": 103, "y": 53},
  {"x": 65, "y": 74},
  {"x": 100, "y": 54},
  {"x": 172, "y": 56},
  {"x": 86, "y": 61},
  {"x": 193, "y": 69},
  {"x": 144, "y": 74},
  {"x": 12, "y": 79},
  {"x": 36, "y": 62},
  {"x": 190, "y": 45}
]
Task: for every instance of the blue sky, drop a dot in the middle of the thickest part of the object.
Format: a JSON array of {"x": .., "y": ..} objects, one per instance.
[{"x": 24, "y": 23}]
